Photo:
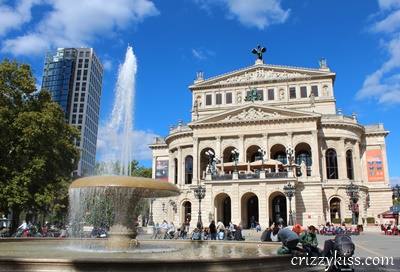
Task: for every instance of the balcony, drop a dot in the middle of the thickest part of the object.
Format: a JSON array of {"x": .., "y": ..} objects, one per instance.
[{"x": 247, "y": 176}]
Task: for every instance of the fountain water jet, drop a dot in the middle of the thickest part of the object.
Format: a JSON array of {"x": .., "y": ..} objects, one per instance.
[{"x": 114, "y": 201}]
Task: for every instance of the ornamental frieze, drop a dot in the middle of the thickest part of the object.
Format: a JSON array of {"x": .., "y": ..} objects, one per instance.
[
  {"x": 262, "y": 74},
  {"x": 251, "y": 114}
]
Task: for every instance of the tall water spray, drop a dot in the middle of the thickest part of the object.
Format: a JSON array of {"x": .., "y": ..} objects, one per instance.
[{"x": 120, "y": 125}]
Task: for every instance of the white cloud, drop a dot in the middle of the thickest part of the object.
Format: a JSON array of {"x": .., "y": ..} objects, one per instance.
[
  {"x": 107, "y": 64},
  {"x": 383, "y": 84},
  {"x": 251, "y": 13},
  {"x": 79, "y": 22},
  {"x": 13, "y": 17},
  {"x": 388, "y": 4},
  {"x": 201, "y": 54},
  {"x": 109, "y": 144}
]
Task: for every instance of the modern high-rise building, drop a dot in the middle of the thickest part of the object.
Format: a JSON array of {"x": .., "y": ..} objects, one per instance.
[{"x": 73, "y": 76}]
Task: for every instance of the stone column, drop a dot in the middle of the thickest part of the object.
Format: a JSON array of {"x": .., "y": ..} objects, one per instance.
[
  {"x": 171, "y": 166},
  {"x": 265, "y": 146},
  {"x": 323, "y": 165},
  {"x": 195, "y": 160},
  {"x": 290, "y": 139},
  {"x": 181, "y": 165},
  {"x": 341, "y": 158},
  {"x": 218, "y": 147},
  {"x": 357, "y": 162},
  {"x": 153, "y": 172},
  {"x": 235, "y": 204},
  {"x": 242, "y": 155},
  {"x": 315, "y": 154}
]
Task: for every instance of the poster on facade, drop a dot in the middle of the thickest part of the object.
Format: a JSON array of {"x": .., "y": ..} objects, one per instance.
[
  {"x": 162, "y": 170},
  {"x": 375, "y": 165}
]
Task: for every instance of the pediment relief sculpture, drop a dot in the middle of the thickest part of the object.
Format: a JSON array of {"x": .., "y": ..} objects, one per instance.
[
  {"x": 263, "y": 74},
  {"x": 251, "y": 114}
]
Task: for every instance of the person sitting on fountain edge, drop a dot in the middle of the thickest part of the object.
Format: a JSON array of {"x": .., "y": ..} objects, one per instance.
[
  {"x": 289, "y": 238},
  {"x": 308, "y": 240}
]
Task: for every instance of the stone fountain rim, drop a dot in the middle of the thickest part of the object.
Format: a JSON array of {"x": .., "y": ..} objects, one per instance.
[{"x": 126, "y": 182}]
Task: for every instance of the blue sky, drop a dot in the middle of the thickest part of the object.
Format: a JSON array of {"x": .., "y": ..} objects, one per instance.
[{"x": 174, "y": 39}]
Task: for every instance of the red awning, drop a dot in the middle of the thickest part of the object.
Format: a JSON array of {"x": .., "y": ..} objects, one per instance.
[{"x": 387, "y": 215}]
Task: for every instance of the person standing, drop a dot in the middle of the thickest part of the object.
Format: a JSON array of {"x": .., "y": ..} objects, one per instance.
[{"x": 213, "y": 230}]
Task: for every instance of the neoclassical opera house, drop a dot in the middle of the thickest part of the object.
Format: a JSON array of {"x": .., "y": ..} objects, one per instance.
[{"x": 236, "y": 146}]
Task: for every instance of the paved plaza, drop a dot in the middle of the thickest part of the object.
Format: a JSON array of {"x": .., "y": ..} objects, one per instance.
[{"x": 368, "y": 244}]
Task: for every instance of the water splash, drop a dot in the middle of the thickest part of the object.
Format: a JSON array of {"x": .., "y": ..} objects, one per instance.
[{"x": 120, "y": 125}]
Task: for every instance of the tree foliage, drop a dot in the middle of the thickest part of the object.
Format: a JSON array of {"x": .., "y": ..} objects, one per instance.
[{"x": 37, "y": 150}]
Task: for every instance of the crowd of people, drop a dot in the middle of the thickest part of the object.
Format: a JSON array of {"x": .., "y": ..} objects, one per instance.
[
  {"x": 331, "y": 229},
  {"x": 214, "y": 231},
  {"x": 390, "y": 228},
  {"x": 28, "y": 229},
  {"x": 292, "y": 237}
]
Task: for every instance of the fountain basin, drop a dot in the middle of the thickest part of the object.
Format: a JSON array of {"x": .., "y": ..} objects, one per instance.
[
  {"x": 152, "y": 255},
  {"x": 113, "y": 202}
]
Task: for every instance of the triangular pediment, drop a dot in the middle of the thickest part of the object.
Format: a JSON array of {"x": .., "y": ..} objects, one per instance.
[
  {"x": 262, "y": 73},
  {"x": 254, "y": 112}
]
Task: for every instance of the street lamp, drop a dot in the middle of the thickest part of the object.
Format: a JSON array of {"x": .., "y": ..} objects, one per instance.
[
  {"x": 199, "y": 193},
  {"x": 151, "y": 222},
  {"x": 289, "y": 191},
  {"x": 352, "y": 191},
  {"x": 235, "y": 155},
  {"x": 290, "y": 159},
  {"x": 396, "y": 192},
  {"x": 210, "y": 154}
]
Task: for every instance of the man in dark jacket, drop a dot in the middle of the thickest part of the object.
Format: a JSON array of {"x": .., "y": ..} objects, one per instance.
[{"x": 289, "y": 238}]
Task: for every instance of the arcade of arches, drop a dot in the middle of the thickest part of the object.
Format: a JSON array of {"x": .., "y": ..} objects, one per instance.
[{"x": 249, "y": 209}]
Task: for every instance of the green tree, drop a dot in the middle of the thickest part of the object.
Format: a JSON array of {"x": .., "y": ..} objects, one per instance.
[{"x": 37, "y": 150}]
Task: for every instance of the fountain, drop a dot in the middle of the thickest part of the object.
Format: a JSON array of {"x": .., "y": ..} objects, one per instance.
[{"x": 115, "y": 201}]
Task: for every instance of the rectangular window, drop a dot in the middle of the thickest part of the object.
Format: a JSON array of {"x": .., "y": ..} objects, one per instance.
[
  {"x": 303, "y": 91},
  {"x": 208, "y": 99},
  {"x": 314, "y": 90},
  {"x": 218, "y": 99},
  {"x": 260, "y": 94},
  {"x": 228, "y": 98},
  {"x": 271, "y": 95},
  {"x": 292, "y": 92}
]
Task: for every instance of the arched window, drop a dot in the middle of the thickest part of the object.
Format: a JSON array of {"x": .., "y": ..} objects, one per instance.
[
  {"x": 188, "y": 169},
  {"x": 175, "y": 171},
  {"x": 331, "y": 164},
  {"x": 303, "y": 153},
  {"x": 278, "y": 152},
  {"x": 349, "y": 164}
]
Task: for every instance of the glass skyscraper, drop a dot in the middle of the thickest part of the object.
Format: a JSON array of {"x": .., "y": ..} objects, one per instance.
[{"x": 73, "y": 76}]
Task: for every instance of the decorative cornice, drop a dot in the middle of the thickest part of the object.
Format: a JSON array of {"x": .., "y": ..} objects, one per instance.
[
  {"x": 261, "y": 74},
  {"x": 255, "y": 121}
]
